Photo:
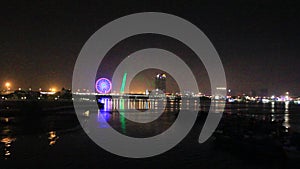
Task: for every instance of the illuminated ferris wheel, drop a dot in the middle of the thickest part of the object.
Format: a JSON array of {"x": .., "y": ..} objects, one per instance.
[{"x": 103, "y": 85}]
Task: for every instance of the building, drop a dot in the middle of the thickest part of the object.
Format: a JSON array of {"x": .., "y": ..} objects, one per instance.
[
  {"x": 160, "y": 82},
  {"x": 221, "y": 93}
]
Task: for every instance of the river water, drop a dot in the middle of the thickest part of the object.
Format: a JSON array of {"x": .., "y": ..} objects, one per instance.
[{"x": 56, "y": 140}]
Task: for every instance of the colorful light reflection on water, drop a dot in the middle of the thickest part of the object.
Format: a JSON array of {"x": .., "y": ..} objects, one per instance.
[
  {"x": 105, "y": 114},
  {"x": 122, "y": 117},
  {"x": 103, "y": 118}
]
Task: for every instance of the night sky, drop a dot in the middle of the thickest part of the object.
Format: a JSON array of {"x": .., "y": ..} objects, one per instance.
[{"x": 258, "y": 42}]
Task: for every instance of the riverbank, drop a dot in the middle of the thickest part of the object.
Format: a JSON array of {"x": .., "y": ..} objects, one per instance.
[{"x": 27, "y": 107}]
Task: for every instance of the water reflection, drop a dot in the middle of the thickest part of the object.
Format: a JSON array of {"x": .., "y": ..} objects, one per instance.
[
  {"x": 118, "y": 108},
  {"x": 273, "y": 117},
  {"x": 7, "y": 141},
  {"x": 47, "y": 132},
  {"x": 36, "y": 129},
  {"x": 115, "y": 112},
  {"x": 111, "y": 104},
  {"x": 286, "y": 122},
  {"x": 107, "y": 113},
  {"x": 102, "y": 118},
  {"x": 122, "y": 117},
  {"x": 286, "y": 105},
  {"x": 52, "y": 138},
  {"x": 6, "y": 133}
]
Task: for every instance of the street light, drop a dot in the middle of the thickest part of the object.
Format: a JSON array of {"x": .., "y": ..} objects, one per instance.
[
  {"x": 7, "y": 85},
  {"x": 52, "y": 89}
]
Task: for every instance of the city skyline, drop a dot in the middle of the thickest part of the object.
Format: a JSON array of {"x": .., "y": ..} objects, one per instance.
[
  {"x": 256, "y": 41},
  {"x": 139, "y": 84}
]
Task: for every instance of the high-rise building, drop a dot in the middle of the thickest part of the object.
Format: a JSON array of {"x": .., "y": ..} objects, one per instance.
[{"x": 160, "y": 82}]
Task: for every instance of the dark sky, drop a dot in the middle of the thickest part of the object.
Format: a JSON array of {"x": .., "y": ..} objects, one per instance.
[{"x": 258, "y": 41}]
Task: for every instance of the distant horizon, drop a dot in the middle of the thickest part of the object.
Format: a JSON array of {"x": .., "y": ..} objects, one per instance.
[
  {"x": 57, "y": 89},
  {"x": 256, "y": 41}
]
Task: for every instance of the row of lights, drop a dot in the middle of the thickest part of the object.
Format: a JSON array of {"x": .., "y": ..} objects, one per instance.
[{"x": 8, "y": 87}]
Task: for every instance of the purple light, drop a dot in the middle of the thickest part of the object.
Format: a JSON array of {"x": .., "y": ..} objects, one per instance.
[{"x": 103, "y": 85}]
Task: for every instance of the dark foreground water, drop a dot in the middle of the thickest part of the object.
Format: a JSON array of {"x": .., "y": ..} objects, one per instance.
[{"x": 57, "y": 140}]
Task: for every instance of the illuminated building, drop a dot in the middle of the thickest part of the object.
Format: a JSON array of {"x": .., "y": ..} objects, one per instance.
[
  {"x": 220, "y": 92},
  {"x": 160, "y": 82}
]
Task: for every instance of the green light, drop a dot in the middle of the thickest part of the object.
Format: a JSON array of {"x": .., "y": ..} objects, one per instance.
[
  {"x": 122, "y": 116},
  {"x": 123, "y": 83}
]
